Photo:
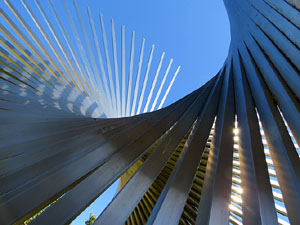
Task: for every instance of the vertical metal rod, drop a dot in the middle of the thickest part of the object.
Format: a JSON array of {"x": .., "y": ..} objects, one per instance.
[
  {"x": 154, "y": 83},
  {"x": 137, "y": 80},
  {"x": 123, "y": 71},
  {"x": 145, "y": 81},
  {"x": 130, "y": 75},
  {"x": 95, "y": 38},
  {"x": 169, "y": 88},
  {"x": 112, "y": 89},
  {"x": 116, "y": 67},
  {"x": 161, "y": 85}
]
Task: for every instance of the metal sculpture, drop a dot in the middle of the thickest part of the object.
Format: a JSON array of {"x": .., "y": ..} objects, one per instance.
[{"x": 226, "y": 153}]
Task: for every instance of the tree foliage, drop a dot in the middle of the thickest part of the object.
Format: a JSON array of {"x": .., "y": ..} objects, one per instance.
[{"x": 91, "y": 220}]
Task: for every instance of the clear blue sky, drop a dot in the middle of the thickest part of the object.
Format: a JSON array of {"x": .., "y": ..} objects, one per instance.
[{"x": 195, "y": 33}]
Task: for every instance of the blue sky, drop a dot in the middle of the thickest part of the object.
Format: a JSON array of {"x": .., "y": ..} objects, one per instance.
[{"x": 194, "y": 33}]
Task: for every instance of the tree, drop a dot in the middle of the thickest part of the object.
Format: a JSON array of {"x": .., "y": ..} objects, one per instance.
[{"x": 91, "y": 220}]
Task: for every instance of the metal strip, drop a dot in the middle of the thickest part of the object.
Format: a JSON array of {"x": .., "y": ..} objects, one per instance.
[
  {"x": 130, "y": 76},
  {"x": 134, "y": 190},
  {"x": 258, "y": 204},
  {"x": 177, "y": 193},
  {"x": 215, "y": 196},
  {"x": 125, "y": 158},
  {"x": 154, "y": 83},
  {"x": 161, "y": 85},
  {"x": 169, "y": 88},
  {"x": 283, "y": 153},
  {"x": 145, "y": 81},
  {"x": 137, "y": 81}
]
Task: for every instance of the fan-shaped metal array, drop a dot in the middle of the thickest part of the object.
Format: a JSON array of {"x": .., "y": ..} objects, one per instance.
[
  {"x": 53, "y": 61},
  {"x": 226, "y": 153}
]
